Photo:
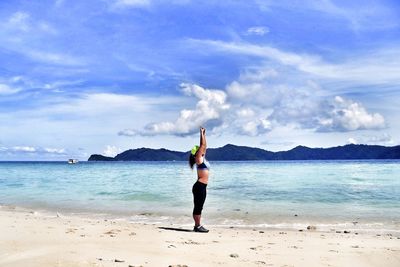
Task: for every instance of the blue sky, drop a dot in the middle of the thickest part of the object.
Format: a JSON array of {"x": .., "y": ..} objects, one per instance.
[{"x": 85, "y": 77}]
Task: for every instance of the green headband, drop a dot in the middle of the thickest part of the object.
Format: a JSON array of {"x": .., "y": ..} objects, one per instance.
[{"x": 194, "y": 150}]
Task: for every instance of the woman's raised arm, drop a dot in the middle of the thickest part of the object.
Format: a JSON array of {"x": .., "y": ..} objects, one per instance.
[{"x": 203, "y": 144}]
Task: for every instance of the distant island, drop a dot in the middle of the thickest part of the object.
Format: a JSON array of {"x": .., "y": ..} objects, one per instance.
[{"x": 232, "y": 152}]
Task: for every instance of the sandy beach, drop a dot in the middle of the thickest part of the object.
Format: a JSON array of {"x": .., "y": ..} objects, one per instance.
[{"x": 30, "y": 238}]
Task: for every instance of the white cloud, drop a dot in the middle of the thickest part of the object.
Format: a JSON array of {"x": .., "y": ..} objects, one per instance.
[
  {"x": 20, "y": 21},
  {"x": 16, "y": 79},
  {"x": 254, "y": 93},
  {"x": 54, "y": 150},
  {"x": 346, "y": 115},
  {"x": 80, "y": 120},
  {"x": 83, "y": 120},
  {"x": 131, "y": 3},
  {"x": 53, "y": 58},
  {"x": 59, "y": 3},
  {"x": 214, "y": 111},
  {"x": 32, "y": 149},
  {"x": 381, "y": 139},
  {"x": 286, "y": 58},
  {"x": 21, "y": 33},
  {"x": 46, "y": 27},
  {"x": 298, "y": 98},
  {"x": 257, "y": 74},
  {"x": 325, "y": 115},
  {"x": 208, "y": 112},
  {"x": 351, "y": 140},
  {"x": 252, "y": 106},
  {"x": 283, "y": 105},
  {"x": 255, "y": 127},
  {"x": 15, "y": 84},
  {"x": 257, "y": 31},
  {"x": 111, "y": 151},
  {"x": 373, "y": 67},
  {"x": 57, "y": 85},
  {"x": 104, "y": 107},
  {"x": 288, "y": 143},
  {"x": 264, "y": 5},
  {"x": 7, "y": 90},
  {"x": 296, "y": 107},
  {"x": 366, "y": 17},
  {"x": 23, "y": 149},
  {"x": 119, "y": 4},
  {"x": 371, "y": 15},
  {"x": 245, "y": 112},
  {"x": 128, "y": 132}
]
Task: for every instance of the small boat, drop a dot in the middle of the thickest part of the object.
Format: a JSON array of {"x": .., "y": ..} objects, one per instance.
[{"x": 72, "y": 161}]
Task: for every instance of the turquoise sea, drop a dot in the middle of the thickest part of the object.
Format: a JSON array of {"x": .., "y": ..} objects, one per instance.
[{"x": 363, "y": 195}]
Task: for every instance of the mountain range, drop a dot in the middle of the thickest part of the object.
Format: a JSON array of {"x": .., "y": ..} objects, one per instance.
[{"x": 231, "y": 152}]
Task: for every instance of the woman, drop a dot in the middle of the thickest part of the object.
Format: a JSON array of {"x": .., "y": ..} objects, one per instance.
[{"x": 199, "y": 190}]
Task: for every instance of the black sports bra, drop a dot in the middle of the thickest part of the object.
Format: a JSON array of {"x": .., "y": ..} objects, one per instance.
[{"x": 205, "y": 165}]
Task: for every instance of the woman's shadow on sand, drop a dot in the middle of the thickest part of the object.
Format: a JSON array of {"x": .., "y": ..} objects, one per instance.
[{"x": 176, "y": 229}]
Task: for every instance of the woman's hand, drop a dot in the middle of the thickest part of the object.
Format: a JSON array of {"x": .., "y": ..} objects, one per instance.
[{"x": 203, "y": 143}]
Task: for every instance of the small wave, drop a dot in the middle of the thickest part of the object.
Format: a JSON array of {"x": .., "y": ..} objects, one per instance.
[
  {"x": 103, "y": 193},
  {"x": 143, "y": 197},
  {"x": 15, "y": 185}
]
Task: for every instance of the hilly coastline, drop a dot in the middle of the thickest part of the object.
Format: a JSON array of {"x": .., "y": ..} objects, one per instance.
[{"x": 233, "y": 153}]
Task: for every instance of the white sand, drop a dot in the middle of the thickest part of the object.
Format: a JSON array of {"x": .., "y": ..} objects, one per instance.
[{"x": 31, "y": 239}]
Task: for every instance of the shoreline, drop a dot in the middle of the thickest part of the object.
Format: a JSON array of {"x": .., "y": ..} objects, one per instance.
[
  {"x": 30, "y": 238},
  {"x": 295, "y": 223}
]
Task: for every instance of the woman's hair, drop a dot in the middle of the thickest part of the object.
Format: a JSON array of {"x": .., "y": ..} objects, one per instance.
[{"x": 192, "y": 160}]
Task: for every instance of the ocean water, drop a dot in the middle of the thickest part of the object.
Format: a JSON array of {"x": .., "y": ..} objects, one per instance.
[{"x": 285, "y": 194}]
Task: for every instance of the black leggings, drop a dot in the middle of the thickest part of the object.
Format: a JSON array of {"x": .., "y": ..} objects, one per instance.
[{"x": 199, "y": 191}]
